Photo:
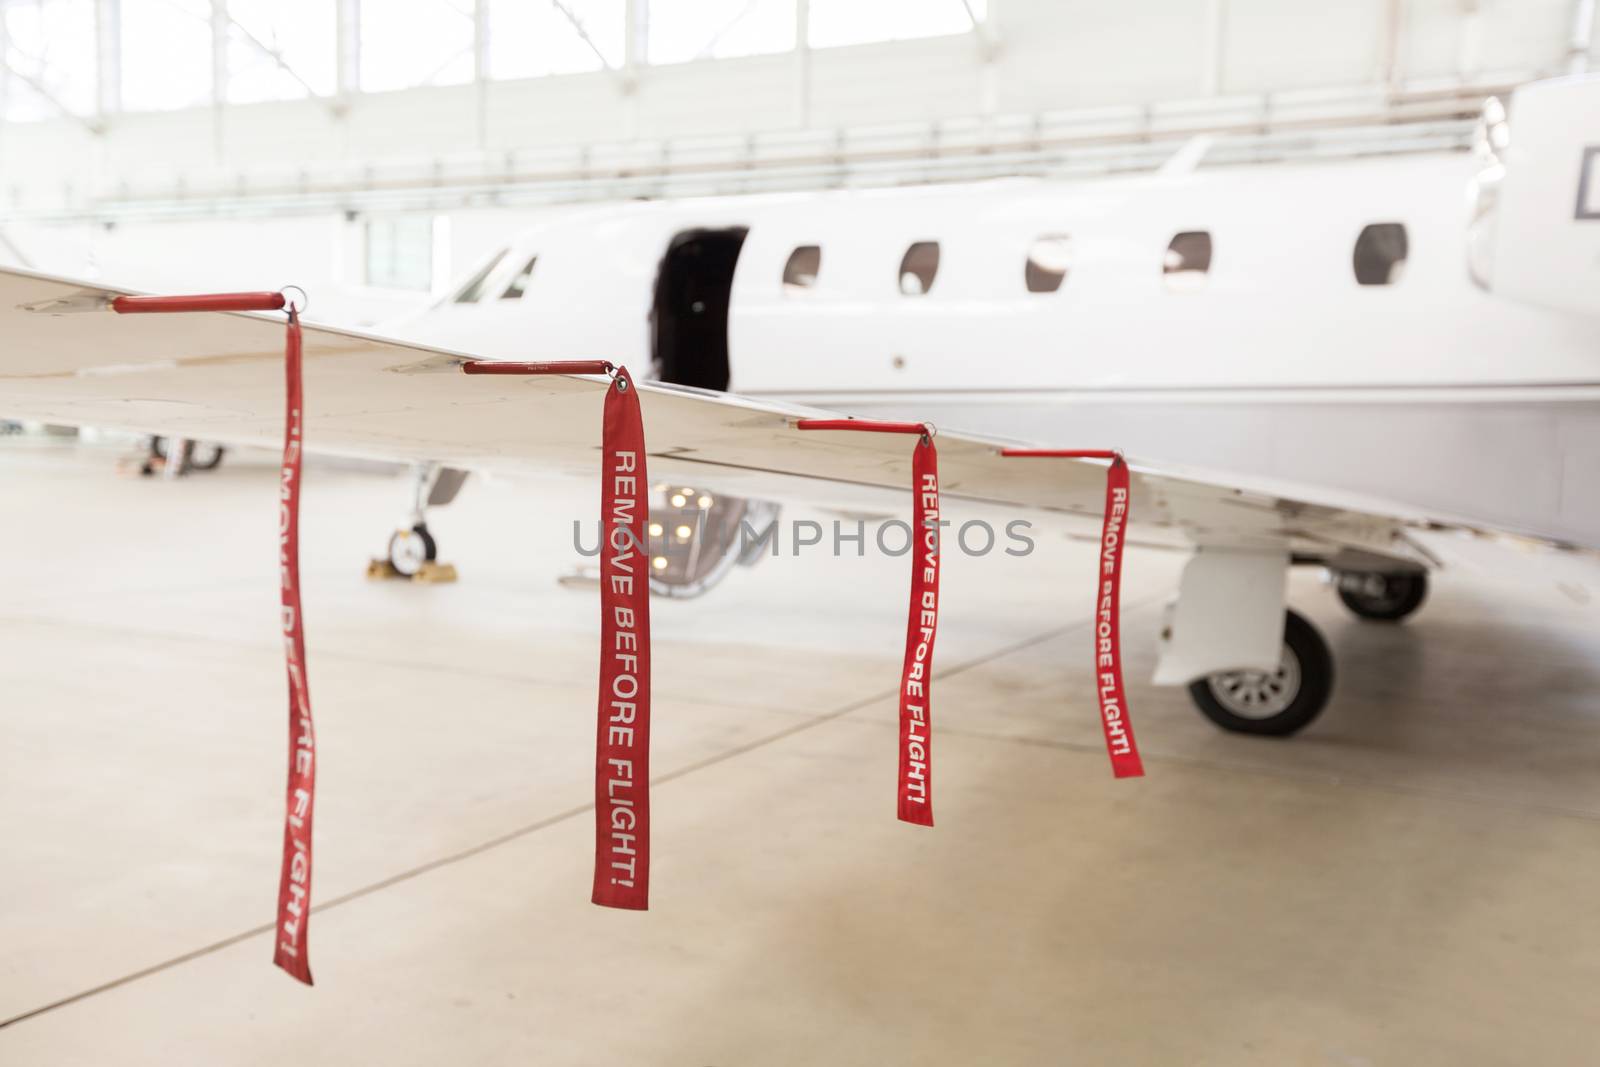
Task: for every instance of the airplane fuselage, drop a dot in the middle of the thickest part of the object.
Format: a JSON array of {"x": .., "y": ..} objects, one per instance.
[{"x": 1276, "y": 366}]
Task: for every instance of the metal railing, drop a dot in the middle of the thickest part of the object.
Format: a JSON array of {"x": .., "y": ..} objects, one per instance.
[{"x": 1300, "y": 125}]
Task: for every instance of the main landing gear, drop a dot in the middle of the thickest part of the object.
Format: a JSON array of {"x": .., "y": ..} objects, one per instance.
[
  {"x": 1277, "y": 703},
  {"x": 1229, "y": 602},
  {"x": 1382, "y": 597}
]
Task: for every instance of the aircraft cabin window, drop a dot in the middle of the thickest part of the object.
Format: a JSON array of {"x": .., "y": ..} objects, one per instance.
[
  {"x": 804, "y": 264},
  {"x": 1048, "y": 262},
  {"x": 919, "y": 267},
  {"x": 473, "y": 290},
  {"x": 1188, "y": 259},
  {"x": 1380, "y": 253},
  {"x": 519, "y": 284}
]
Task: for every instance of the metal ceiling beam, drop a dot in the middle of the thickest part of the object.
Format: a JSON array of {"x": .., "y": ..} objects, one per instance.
[
  {"x": 583, "y": 33},
  {"x": 988, "y": 40},
  {"x": 1582, "y": 36}
]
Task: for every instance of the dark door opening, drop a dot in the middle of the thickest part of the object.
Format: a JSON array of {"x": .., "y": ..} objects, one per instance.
[{"x": 689, "y": 321}]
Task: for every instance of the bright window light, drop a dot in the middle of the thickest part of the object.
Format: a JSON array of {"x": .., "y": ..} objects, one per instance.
[
  {"x": 166, "y": 54},
  {"x": 406, "y": 43},
  {"x": 841, "y": 22},
  {"x": 50, "y": 49},
  {"x": 685, "y": 30},
  {"x": 400, "y": 252},
  {"x": 280, "y": 49},
  {"x": 530, "y": 38}
]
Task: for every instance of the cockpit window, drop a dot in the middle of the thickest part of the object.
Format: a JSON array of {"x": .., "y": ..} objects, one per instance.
[
  {"x": 519, "y": 284},
  {"x": 1380, "y": 253},
  {"x": 804, "y": 264},
  {"x": 919, "y": 267},
  {"x": 473, "y": 290}
]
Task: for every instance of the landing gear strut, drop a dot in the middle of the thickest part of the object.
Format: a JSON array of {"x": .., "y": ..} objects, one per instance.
[
  {"x": 1276, "y": 703},
  {"x": 1383, "y": 597}
]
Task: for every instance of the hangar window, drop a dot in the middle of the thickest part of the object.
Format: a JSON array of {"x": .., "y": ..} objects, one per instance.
[
  {"x": 684, "y": 30},
  {"x": 1380, "y": 253},
  {"x": 165, "y": 54},
  {"x": 918, "y": 267},
  {"x": 425, "y": 44},
  {"x": 519, "y": 284},
  {"x": 800, "y": 272},
  {"x": 42, "y": 45},
  {"x": 845, "y": 22},
  {"x": 528, "y": 39},
  {"x": 1048, "y": 262},
  {"x": 1188, "y": 259},
  {"x": 473, "y": 290},
  {"x": 400, "y": 252},
  {"x": 279, "y": 50}
]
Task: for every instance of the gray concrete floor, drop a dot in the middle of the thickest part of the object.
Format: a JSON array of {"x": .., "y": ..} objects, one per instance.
[{"x": 1410, "y": 881}]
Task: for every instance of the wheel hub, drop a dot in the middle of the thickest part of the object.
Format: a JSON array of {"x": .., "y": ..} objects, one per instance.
[
  {"x": 1258, "y": 694},
  {"x": 407, "y": 552}
]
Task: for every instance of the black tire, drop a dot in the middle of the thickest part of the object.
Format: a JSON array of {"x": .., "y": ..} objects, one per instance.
[
  {"x": 1383, "y": 597},
  {"x": 206, "y": 456},
  {"x": 197, "y": 455},
  {"x": 1307, "y": 672},
  {"x": 403, "y": 556}
]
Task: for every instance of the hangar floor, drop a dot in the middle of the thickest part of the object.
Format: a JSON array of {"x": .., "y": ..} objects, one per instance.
[{"x": 1410, "y": 881}]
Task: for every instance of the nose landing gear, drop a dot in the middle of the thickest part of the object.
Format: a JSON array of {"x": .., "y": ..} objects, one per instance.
[{"x": 413, "y": 552}]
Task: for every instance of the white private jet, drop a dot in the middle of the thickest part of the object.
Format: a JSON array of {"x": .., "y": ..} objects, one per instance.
[{"x": 1377, "y": 366}]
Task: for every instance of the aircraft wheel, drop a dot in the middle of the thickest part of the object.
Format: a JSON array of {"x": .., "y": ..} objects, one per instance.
[
  {"x": 410, "y": 549},
  {"x": 206, "y": 456},
  {"x": 1383, "y": 597},
  {"x": 1277, "y": 703}
]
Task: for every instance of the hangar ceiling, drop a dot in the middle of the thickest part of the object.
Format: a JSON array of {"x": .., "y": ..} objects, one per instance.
[{"x": 157, "y": 108}]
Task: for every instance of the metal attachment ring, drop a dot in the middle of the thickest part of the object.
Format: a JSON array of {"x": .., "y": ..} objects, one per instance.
[{"x": 290, "y": 305}]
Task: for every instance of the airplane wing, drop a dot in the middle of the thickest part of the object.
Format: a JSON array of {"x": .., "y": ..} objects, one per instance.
[{"x": 218, "y": 377}]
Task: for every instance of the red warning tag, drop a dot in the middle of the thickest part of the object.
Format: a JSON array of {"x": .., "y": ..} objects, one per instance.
[
  {"x": 922, "y": 624},
  {"x": 622, "y": 747},
  {"x": 294, "y": 882},
  {"x": 1125, "y": 762},
  {"x": 1109, "y": 693},
  {"x": 914, "y": 787}
]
